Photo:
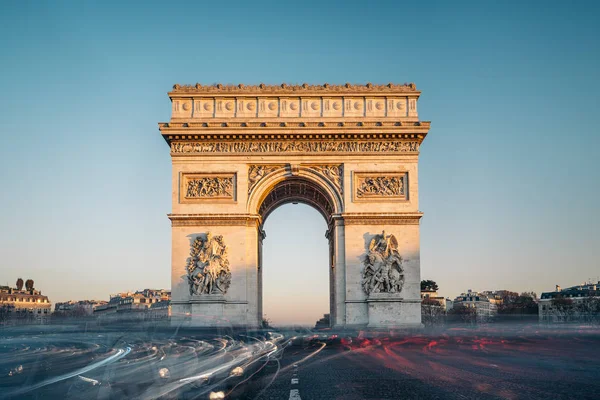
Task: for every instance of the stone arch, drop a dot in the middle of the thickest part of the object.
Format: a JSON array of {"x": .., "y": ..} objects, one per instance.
[
  {"x": 239, "y": 152},
  {"x": 302, "y": 184}
]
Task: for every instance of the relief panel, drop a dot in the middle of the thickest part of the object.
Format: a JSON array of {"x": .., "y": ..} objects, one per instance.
[
  {"x": 354, "y": 106},
  {"x": 207, "y": 187},
  {"x": 396, "y": 106},
  {"x": 333, "y": 106},
  {"x": 289, "y": 107},
  {"x": 311, "y": 106},
  {"x": 204, "y": 108},
  {"x": 225, "y": 107},
  {"x": 380, "y": 186},
  {"x": 375, "y": 107}
]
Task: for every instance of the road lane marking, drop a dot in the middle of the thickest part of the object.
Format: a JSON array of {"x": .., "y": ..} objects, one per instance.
[
  {"x": 295, "y": 394},
  {"x": 294, "y": 381}
]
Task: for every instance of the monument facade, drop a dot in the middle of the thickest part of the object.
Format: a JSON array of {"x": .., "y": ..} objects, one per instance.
[{"x": 351, "y": 152}]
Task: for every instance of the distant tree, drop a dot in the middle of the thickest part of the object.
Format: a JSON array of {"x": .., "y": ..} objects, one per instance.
[
  {"x": 266, "y": 322},
  {"x": 432, "y": 312},
  {"x": 4, "y": 313},
  {"x": 464, "y": 314},
  {"x": 29, "y": 284},
  {"x": 19, "y": 284},
  {"x": 429, "y": 285},
  {"x": 514, "y": 303},
  {"x": 589, "y": 309},
  {"x": 564, "y": 308}
]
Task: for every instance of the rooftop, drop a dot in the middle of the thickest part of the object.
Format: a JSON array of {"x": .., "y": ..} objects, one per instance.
[{"x": 285, "y": 88}]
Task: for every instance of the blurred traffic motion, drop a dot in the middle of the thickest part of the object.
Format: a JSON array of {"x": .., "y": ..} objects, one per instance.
[{"x": 72, "y": 362}]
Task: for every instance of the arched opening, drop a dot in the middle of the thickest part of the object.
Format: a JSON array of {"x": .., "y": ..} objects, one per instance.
[
  {"x": 297, "y": 255},
  {"x": 295, "y": 266}
]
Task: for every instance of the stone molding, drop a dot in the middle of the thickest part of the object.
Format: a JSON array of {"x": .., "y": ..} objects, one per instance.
[
  {"x": 282, "y": 127},
  {"x": 207, "y": 220},
  {"x": 379, "y": 219}
]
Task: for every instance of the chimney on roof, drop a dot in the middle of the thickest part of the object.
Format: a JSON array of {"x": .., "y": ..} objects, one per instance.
[{"x": 557, "y": 288}]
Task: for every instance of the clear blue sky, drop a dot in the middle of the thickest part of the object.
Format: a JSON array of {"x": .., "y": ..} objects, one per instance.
[{"x": 509, "y": 174}]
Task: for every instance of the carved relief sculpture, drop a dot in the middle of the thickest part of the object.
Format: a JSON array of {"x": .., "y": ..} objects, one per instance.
[
  {"x": 389, "y": 186},
  {"x": 209, "y": 187},
  {"x": 208, "y": 267},
  {"x": 333, "y": 172},
  {"x": 295, "y": 146},
  {"x": 202, "y": 186},
  {"x": 383, "y": 272},
  {"x": 257, "y": 172}
]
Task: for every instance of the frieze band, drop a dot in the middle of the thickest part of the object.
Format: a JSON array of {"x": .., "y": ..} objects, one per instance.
[{"x": 298, "y": 146}]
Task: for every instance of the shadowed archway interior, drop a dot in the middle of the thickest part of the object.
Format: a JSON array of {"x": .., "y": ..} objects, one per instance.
[{"x": 297, "y": 190}]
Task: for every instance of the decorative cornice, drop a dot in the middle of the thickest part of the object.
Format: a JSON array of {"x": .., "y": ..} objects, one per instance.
[
  {"x": 228, "y": 125},
  {"x": 292, "y": 89},
  {"x": 380, "y": 218},
  {"x": 207, "y": 220}
]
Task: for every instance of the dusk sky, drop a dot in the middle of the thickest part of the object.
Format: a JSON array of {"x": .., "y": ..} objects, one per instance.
[{"x": 508, "y": 175}]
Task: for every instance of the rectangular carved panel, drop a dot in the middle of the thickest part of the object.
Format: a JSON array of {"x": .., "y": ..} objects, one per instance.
[
  {"x": 201, "y": 187},
  {"x": 380, "y": 186}
]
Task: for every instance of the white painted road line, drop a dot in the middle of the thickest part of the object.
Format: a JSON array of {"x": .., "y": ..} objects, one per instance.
[
  {"x": 294, "y": 381},
  {"x": 295, "y": 394}
]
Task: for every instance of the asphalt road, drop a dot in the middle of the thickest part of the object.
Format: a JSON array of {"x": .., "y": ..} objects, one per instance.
[
  {"x": 486, "y": 363},
  {"x": 456, "y": 365}
]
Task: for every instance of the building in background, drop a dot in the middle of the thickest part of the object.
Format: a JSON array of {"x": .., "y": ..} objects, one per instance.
[
  {"x": 80, "y": 308},
  {"x": 477, "y": 303},
  {"x": 23, "y": 306},
  {"x": 433, "y": 306},
  {"x": 579, "y": 303},
  {"x": 147, "y": 304},
  {"x": 431, "y": 297}
]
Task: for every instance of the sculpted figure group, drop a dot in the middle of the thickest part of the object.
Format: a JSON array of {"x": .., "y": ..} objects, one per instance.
[
  {"x": 209, "y": 187},
  {"x": 381, "y": 186},
  {"x": 383, "y": 272},
  {"x": 208, "y": 267}
]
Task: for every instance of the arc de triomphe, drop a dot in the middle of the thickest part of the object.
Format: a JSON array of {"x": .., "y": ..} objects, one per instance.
[{"x": 351, "y": 152}]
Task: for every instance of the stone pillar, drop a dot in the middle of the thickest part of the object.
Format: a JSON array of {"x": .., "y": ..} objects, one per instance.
[{"x": 240, "y": 304}]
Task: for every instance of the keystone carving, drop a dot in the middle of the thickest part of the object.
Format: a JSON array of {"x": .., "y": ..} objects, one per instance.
[
  {"x": 208, "y": 267},
  {"x": 383, "y": 272}
]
